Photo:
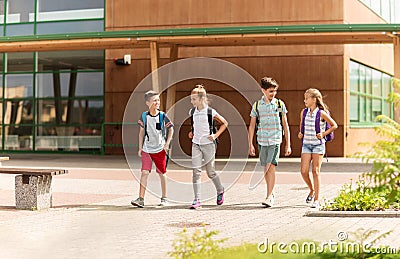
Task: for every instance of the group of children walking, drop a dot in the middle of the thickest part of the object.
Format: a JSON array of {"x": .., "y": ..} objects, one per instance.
[{"x": 268, "y": 122}]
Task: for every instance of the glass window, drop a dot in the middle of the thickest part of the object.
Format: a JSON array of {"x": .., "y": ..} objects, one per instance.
[
  {"x": 362, "y": 79},
  {"x": 354, "y": 76},
  {"x": 18, "y": 111},
  {"x": 70, "y": 84},
  {"x": 386, "y": 85},
  {"x": 368, "y": 80},
  {"x": 20, "y": 61},
  {"x": 1, "y": 91},
  {"x": 69, "y": 27},
  {"x": 385, "y": 10},
  {"x": 376, "y": 83},
  {"x": 20, "y": 11},
  {"x": 83, "y": 111},
  {"x": 363, "y": 114},
  {"x": 354, "y": 115},
  {"x": 371, "y": 99},
  {"x": 376, "y": 107},
  {"x": 66, "y": 60},
  {"x": 18, "y": 86},
  {"x": 63, "y": 5},
  {"x": 18, "y": 137},
  {"x": 19, "y": 30}
]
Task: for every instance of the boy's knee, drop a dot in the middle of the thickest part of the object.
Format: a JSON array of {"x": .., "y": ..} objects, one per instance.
[{"x": 145, "y": 172}]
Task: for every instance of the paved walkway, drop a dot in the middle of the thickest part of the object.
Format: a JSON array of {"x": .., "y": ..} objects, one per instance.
[{"x": 92, "y": 216}]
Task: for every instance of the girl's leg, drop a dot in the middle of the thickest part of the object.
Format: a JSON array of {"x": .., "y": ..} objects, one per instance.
[
  {"x": 196, "y": 165},
  {"x": 143, "y": 182},
  {"x": 316, "y": 169},
  {"x": 305, "y": 171},
  {"x": 209, "y": 158},
  {"x": 163, "y": 180},
  {"x": 269, "y": 176}
]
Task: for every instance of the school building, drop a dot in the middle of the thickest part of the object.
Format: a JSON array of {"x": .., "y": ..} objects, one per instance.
[{"x": 63, "y": 91}]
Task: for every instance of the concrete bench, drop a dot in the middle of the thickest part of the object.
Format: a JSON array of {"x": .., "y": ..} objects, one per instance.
[
  {"x": 4, "y": 158},
  {"x": 33, "y": 187}
]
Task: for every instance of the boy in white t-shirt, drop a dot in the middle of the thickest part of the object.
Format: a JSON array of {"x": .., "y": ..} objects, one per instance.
[{"x": 153, "y": 147}]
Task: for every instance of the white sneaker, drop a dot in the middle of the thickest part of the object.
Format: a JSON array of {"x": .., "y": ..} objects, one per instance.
[
  {"x": 316, "y": 205},
  {"x": 269, "y": 201},
  {"x": 163, "y": 202}
]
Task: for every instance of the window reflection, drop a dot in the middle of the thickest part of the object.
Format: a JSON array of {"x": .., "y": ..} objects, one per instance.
[
  {"x": 18, "y": 137},
  {"x": 70, "y": 60},
  {"x": 20, "y": 61},
  {"x": 69, "y": 84},
  {"x": 18, "y": 85},
  {"x": 20, "y": 11},
  {"x": 83, "y": 111}
]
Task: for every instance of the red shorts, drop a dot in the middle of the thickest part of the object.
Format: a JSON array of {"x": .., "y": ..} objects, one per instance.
[{"x": 159, "y": 159}]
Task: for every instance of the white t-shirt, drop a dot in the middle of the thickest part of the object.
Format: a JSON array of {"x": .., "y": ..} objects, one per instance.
[
  {"x": 201, "y": 128},
  {"x": 154, "y": 142}
]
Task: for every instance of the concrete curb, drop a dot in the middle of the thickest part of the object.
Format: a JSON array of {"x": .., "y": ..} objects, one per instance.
[{"x": 360, "y": 214}]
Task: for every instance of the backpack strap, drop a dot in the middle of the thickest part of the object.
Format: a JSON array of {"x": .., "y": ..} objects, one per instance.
[
  {"x": 210, "y": 121},
  {"x": 144, "y": 119},
  {"x": 255, "y": 107},
  {"x": 318, "y": 123},
  {"x": 161, "y": 116}
]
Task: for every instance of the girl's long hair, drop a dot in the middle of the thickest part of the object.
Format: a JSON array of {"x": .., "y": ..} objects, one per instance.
[{"x": 315, "y": 93}]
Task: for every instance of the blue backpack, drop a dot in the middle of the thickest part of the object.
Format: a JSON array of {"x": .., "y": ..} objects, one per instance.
[
  {"x": 329, "y": 137},
  {"x": 162, "y": 124}
]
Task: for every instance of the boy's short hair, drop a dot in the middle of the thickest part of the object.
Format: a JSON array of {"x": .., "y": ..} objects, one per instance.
[
  {"x": 268, "y": 82},
  {"x": 149, "y": 94}
]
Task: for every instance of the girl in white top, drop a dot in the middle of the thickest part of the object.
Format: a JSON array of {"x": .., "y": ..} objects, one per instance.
[
  {"x": 203, "y": 144},
  {"x": 313, "y": 148}
]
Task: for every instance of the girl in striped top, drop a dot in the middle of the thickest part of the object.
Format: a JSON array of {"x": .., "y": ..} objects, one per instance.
[{"x": 313, "y": 148}]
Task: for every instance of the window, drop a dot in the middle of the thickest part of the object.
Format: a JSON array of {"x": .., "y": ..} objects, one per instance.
[{"x": 369, "y": 89}]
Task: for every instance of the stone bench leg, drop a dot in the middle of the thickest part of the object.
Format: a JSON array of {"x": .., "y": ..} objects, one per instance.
[{"x": 33, "y": 192}]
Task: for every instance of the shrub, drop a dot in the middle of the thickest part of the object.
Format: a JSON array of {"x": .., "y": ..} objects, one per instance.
[{"x": 198, "y": 245}]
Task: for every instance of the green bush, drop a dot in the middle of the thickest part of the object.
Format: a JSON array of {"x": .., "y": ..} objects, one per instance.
[
  {"x": 358, "y": 198},
  {"x": 198, "y": 245}
]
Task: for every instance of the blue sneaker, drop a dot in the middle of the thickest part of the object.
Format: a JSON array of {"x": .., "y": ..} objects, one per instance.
[
  {"x": 196, "y": 204},
  {"x": 309, "y": 199}
]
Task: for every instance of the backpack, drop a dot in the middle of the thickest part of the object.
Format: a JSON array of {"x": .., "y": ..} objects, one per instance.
[
  {"x": 161, "y": 116},
  {"x": 328, "y": 137},
  {"x": 211, "y": 123},
  {"x": 255, "y": 107}
]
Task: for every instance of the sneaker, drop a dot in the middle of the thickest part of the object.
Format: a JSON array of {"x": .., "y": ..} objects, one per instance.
[
  {"x": 309, "y": 199},
  {"x": 316, "y": 205},
  {"x": 196, "y": 204},
  {"x": 269, "y": 201},
  {"x": 139, "y": 202},
  {"x": 163, "y": 202},
  {"x": 220, "y": 198}
]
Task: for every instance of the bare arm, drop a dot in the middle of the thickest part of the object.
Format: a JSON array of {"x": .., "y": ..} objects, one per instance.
[
  {"x": 300, "y": 135},
  {"x": 169, "y": 138},
  {"x": 140, "y": 141},
  {"x": 288, "y": 149},
  {"x": 325, "y": 116},
  {"x": 252, "y": 125},
  {"x": 222, "y": 128}
]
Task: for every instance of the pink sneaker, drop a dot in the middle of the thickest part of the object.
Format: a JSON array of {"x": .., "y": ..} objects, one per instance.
[
  {"x": 220, "y": 198},
  {"x": 196, "y": 204}
]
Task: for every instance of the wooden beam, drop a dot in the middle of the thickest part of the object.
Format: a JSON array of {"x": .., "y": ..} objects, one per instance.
[
  {"x": 396, "y": 55},
  {"x": 171, "y": 91},
  {"x": 155, "y": 59},
  {"x": 194, "y": 41}
]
